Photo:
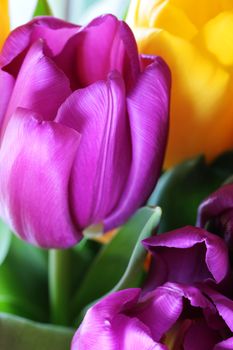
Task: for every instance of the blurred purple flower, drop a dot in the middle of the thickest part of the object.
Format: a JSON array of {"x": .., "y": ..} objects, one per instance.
[
  {"x": 187, "y": 255},
  {"x": 84, "y": 122},
  {"x": 216, "y": 213},
  {"x": 183, "y": 313}
]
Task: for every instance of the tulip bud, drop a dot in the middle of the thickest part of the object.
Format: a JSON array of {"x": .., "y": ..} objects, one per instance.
[{"x": 83, "y": 128}]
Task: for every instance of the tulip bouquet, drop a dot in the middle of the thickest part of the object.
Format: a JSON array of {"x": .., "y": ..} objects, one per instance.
[{"x": 111, "y": 236}]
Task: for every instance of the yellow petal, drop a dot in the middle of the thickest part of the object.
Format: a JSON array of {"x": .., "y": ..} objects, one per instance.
[
  {"x": 161, "y": 14},
  {"x": 217, "y": 37},
  {"x": 174, "y": 20},
  {"x": 4, "y": 21},
  {"x": 140, "y": 11},
  {"x": 201, "y": 11},
  {"x": 201, "y": 108},
  {"x": 192, "y": 14},
  {"x": 195, "y": 37}
]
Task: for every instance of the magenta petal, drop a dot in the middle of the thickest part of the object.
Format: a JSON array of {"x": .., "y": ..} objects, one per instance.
[
  {"x": 122, "y": 333},
  {"x": 216, "y": 204},
  {"x": 225, "y": 345},
  {"x": 160, "y": 310},
  {"x": 106, "y": 326},
  {"x": 163, "y": 306},
  {"x": 93, "y": 58},
  {"x": 40, "y": 86},
  {"x": 35, "y": 163},
  {"x": 53, "y": 31},
  {"x": 200, "y": 336},
  {"x": 103, "y": 159},
  {"x": 224, "y": 307},
  {"x": 6, "y": 88},
  {"x": 188, "y": 255},
  {"x": 148, "y": 111},
  {"x": 130, "y": 334},
  {"x": 216, "y": 213},
  {"x": 95, "y": 331},
  {"x": 125, "y": 320}
]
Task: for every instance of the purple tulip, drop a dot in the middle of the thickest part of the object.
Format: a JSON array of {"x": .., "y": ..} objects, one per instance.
[
  {"x": 84, "y": 122},
  {"x": 172, "y": 317},
  {"x": 188, "y": 255},
  {"x": 187, "y": 314},
  {"x": 216, "y": 213}
]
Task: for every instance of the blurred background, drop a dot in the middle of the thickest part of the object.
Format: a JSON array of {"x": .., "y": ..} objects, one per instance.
[{"x": 76, "y": 11}]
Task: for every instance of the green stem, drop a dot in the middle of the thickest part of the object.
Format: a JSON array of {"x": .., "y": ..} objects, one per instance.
[{"x": 59, "y": 286}]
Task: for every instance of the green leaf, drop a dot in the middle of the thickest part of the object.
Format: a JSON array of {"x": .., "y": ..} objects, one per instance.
[
  {"x": 5, "y": 241},
  {"x": 120, "y": 260},
  {"x": 42, "y": 9},
  {"x": 20, "y": 334},
  {"x": 24, "y": 285},
  {"x": 138, "y": 256},
  {"x": 181, "y": 189},
  {"x": 82, "y": 256}
]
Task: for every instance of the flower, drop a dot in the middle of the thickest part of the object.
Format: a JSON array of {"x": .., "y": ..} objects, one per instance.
[
  {"x": 183, "y": 312},
  {"x": 4, "y": 20},
  {"x": 84, "y": 123},
  {"x": 172, "y": 317},
  {"x": 196, "y": 40},
  {"x": 216, "y": 213},
  {"x": 187, "y": 255}
]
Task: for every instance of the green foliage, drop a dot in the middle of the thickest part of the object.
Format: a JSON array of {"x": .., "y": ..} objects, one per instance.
[
  {"x": 181, "y": 189},
  {"x": 20, "y": 334},
  {"x": 42, "y": 9},
  {"x": 5, "y": 241},
  {"x": 120, "y": 263},
  {"x": 23, "y": 276}
]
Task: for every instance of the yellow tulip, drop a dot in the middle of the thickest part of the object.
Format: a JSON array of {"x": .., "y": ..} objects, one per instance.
[
  {"x": 195, "y": 37},
  {"x": 4, "y": 21}
]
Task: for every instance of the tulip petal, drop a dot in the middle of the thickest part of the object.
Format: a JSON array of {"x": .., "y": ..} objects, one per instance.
[
  {"x": 93, "y": 59},
  {"x": 6, "y": 87},
  {"x": 188, "y": 255},
  {"x": 148, "y": 113},
  {"x": 159, "y": 13},
  {"x": 125, "y": 320},
  {"x": 223, "y": 305},
  {"x": 95, "y": 331},
  {"x": 200, "y": 12},
  {"x": 217, "y": 37},
  {"x": 163, "y": 306},
  {"x": 200, "y": 336},
  {"x": 215, "y": 205},
  {"x": 46, "y": 89},
  {"x": 133, "y": 334},
  {"x": 125, "y": 333},
  {"x": 35, "y": 163},
  {"x": 162, "y": 14},
  {"x": 201, "y": 86},
  {"x": 161, "y": 310},
  {"x": 106, "y": 326},
  {"x": 103, "y": 159},
  {"x": 225, "y": 345},
  {"x": 54, "y": 31}
]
